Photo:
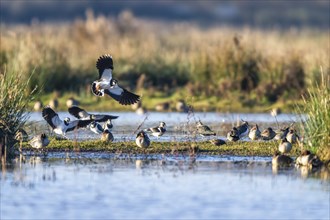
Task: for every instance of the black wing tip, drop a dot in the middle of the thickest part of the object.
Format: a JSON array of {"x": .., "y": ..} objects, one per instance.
[
  {"x": 47, "y": 111},
  {"x": 84, "y": 123},
  {"x": 129, "y": 98},
  {"x": 113, "y": 117},
  {"x": 74, "y": 110},
  {"x": 104, "y": 62}
]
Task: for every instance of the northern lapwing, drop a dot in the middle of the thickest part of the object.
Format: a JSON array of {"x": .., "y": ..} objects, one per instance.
[
  {"x": 81, "y": 114},
  {"x": 157, "y": 131},
  {"x": 142, "y": 140},
  {"x": 108, "y": 85},
  {"x": 61, "y": 127},
  {"x": 108, "y": 125},
  {"x": 96, "y": 127},
  {"x": 204, "y": 130}
]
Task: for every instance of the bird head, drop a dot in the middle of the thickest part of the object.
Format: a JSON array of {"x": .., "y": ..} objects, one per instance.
[
  {"x": 113, "y": 82},
  {"x": 162, "y": 124},
  {"x": 66, "y": 120},
  {"x": 284, "y": 140},
  {"x": 93, "y": 124},
  {"x": 140, "y": 134},
  {"x": 199, "y": 123}
]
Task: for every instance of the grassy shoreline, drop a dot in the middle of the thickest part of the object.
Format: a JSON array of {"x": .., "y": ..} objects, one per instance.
[{"x": 241, "y": 148}]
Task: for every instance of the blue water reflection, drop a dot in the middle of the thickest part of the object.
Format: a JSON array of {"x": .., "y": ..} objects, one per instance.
[{"x": 106, "y": 186}]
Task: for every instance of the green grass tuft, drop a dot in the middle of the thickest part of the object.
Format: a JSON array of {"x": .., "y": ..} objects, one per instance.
[{"x": 317, "y": 125}]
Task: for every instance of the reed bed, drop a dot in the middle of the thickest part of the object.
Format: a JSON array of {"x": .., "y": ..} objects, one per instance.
[
  {"x": 14, "y": 100},
  {"x": 249, "y": 66},
  {"x": 316, "y": 127}
]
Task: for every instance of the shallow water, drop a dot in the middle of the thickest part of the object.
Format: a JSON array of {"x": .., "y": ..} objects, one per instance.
[
  {"x": 180, "y": 126},
  {"x": 109, "y": 186}
]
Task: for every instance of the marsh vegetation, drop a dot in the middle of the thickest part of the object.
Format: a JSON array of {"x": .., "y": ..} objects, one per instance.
[
  {"x": 211, "y": 69},
  {"x": 215, "y": 68}
]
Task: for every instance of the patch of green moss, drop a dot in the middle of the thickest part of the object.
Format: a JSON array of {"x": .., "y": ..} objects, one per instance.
[{"x": 241, "y": 148}]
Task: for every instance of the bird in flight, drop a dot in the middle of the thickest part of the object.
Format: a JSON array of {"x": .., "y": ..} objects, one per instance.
[
  {"x": 95, "y": 127},
  {"x": 81, "y": 114},
  {"x": 108, "y": 85},
  {"x": 62, "y": 126}
]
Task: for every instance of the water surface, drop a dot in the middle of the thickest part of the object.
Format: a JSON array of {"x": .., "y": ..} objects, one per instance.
[
  {"x": 109, "y": 186},
  {"x": 180, "y": 126}
]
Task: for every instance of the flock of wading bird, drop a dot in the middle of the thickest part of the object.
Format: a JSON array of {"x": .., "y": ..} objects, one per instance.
[{"x": 109, "y": 86}]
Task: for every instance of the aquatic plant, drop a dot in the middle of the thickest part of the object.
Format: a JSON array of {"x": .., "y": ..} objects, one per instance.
[
  {"x": 13, "y": 109},
  {"x": 316, "y": 127}
]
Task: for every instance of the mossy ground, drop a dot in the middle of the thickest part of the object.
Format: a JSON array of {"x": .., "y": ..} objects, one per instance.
[{"x": 240, "y": 148}]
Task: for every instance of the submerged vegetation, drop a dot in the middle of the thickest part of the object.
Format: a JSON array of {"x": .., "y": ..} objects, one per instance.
[
  {"x": 316, "y": 128},
  {"x": 162, "y": 62},
  {"x": 14, "y": 100}
]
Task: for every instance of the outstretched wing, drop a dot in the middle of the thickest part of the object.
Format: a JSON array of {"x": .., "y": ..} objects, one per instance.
[
  {"x": 78, "y": 112},
  {"x": 51, "y": 117},
  {"x": 78, "y": 124},
  {"x": 123, "y": 96},
  {"x": 105, "y": 66},
  {"x": 103, "y": 118}
]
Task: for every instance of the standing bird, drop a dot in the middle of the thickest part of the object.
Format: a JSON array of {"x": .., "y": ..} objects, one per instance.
[
  {"x": 157, "y": 131},
  {"x": 268, "y": 134},
  {"x": 39, "y": 141},
  {"x": 61, "y": 127},
  {"x": 107, "y": 136},
  {"x": 281, "y": 133},
  {"x": 292, "y": 136},
  {"x": 142, "y": 140},
  {"x": 254, "y": 133},
  {"x": 107, "y": 85},
  {"x": 285, "y": 146},
  {"x": 243, "y": 129},
  {"x": 233, "y": 134},
  {"x": 204, "y": 130}
]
